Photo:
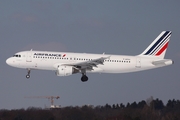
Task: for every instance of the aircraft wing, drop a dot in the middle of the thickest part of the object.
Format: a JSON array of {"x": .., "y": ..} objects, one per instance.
[{"x": 88, "y": 65}]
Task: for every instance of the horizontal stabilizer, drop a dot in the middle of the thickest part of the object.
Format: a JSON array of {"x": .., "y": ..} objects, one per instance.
[{"x": 163, "y": 62}]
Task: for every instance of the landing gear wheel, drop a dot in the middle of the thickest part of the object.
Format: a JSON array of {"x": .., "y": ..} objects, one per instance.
[
  {"x": 27, "y": 76},
  {"x": 84, "y": 78},
  {"x": 28, "y": 73}
]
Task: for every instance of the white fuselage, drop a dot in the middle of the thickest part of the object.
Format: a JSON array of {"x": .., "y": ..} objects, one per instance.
[
  {"x": 66, "y": 63},
  {"x": 43, "y": 60}
]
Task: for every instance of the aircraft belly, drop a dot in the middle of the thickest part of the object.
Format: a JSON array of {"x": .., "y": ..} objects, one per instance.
[
  {"x": 41, "y": 65},
  {"x": 45, "y": 66},
  {"x": 117, "y": 68}
]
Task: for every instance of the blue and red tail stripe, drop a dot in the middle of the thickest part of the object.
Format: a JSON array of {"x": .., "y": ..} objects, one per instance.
[
  {"x": 162, "y": 49},
  {"x": 160, "y": 45}
]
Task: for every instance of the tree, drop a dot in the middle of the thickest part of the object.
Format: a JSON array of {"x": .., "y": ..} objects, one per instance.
[
  {"x": 141, "y": 104},
  {"x": 133, "y": 105},
  {"x": 128, "y": 105},
  {"x": 158, "y": 104},
  {"x": 122, "y": 106}
]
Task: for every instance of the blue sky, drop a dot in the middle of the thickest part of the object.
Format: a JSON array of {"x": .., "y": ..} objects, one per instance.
[{"x": 96, "y": 26}]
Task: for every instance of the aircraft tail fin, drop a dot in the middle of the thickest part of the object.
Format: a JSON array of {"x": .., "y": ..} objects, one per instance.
[{"x": 159, "y": 46}]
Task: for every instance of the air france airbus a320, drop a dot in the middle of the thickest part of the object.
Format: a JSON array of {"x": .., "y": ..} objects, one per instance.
[{"x": 66, "y": 63}]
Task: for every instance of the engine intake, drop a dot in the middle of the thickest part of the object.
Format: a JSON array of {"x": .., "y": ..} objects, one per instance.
[{"x": 66, "y": 70}]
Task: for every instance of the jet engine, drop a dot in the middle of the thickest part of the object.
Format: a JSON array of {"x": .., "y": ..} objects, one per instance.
[{"x": 66, "y": 70}]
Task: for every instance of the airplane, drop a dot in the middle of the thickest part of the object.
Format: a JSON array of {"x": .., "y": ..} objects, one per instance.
[{"x": 66, "y": 63}]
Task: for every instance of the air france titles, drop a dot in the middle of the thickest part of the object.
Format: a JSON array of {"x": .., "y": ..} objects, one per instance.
[{"x": 47, "y": 55}]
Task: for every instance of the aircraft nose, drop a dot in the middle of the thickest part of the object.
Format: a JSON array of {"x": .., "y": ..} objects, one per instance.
[{"x": 9, "y": 61}]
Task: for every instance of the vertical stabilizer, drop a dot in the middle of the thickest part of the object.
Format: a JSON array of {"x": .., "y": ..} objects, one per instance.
[{"x": 159, "y": 46}]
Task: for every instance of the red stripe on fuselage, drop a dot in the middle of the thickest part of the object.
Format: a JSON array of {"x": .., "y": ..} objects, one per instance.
[{"x": 162, "y": 49}]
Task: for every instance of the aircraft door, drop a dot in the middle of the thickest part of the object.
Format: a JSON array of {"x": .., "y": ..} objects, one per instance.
[
  {"x": 138, "y": 63},
  {"x": 29, "y": 56}
]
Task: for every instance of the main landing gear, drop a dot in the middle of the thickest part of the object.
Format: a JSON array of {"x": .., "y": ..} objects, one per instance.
[
  {"x": 84, "y": 78},
  {"x": 28, "y": 74}
]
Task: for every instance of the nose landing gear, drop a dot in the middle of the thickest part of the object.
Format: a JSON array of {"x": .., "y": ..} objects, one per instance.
[{"x": 28, "y": 74}]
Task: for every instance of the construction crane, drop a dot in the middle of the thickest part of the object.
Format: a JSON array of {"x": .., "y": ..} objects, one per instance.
[{"x": 51, "y": 98}]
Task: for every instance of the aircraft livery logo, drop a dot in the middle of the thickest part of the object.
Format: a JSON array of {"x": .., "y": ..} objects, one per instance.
[
  {"x": 64, "y": 55},
  {"x": 48, "y": 54}
]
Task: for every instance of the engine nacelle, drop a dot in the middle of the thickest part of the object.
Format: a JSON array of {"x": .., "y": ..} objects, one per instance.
[{"x": 65, "y": 70}]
